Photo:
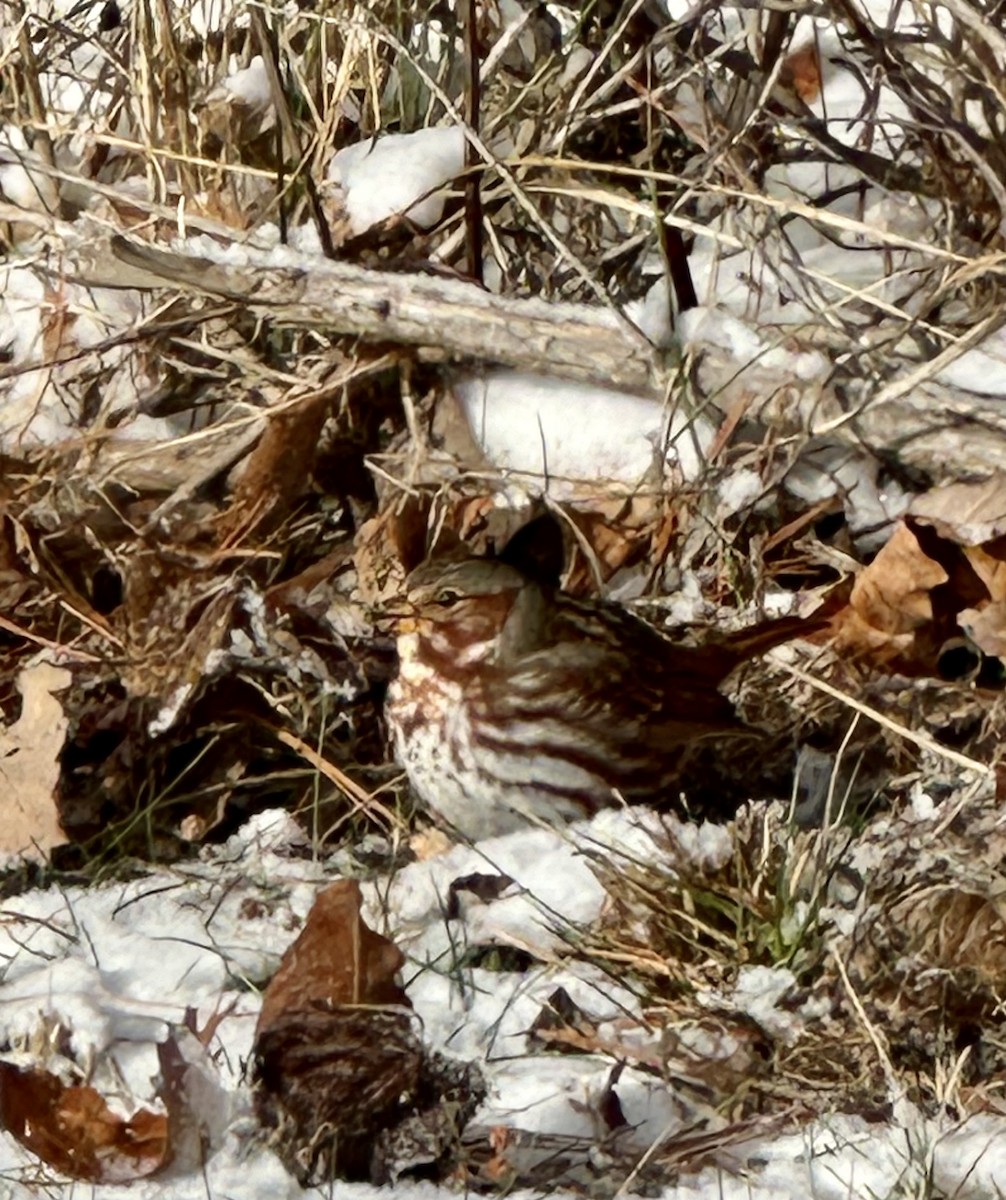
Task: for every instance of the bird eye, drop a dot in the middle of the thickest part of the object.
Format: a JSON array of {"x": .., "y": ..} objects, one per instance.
[{"x": 447, "y": 596}]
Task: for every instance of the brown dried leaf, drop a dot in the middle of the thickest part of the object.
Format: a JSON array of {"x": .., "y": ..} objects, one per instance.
[
  {"x": 337, "y": 1057},
  {"x": 454, "y": 433},
  {"x": 336, "y": 960},
  {"x": 620, "y": 532},
  {"x": 892, "y": 594},
  {"x": 986, "y": 627},
  {"x": 71, "y": 1128},
  {"x": 801, "y": 71},
  {"x": 989, "y": 563},
  {"x": 29, "y": 764},
  {"x": 14, "y": 582},
  {"x": 969, "y": 514},
  {"x": 194, "y": 1098},
  {"x": 388, "y": 547},
  {"x": 891, "y": 607},
  {"x": 173, "y": 618},
  {"x": 311, "y": 590},
  {"x": 277, "y": 471}
]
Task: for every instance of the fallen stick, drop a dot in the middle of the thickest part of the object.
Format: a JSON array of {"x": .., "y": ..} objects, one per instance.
[{"x": 443, "y": 317}]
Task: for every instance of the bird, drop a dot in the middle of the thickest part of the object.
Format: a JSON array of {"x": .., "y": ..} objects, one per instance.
[{"x": 516, "y": 704}]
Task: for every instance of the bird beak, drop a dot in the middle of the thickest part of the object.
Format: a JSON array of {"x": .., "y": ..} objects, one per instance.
[{"x": 403, "y": 618}]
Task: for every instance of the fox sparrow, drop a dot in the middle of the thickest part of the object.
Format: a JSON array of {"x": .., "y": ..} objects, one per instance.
[{"x": 515, "y": 701}]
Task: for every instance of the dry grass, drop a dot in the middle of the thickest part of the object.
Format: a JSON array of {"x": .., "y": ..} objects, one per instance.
[{"x": 219, "y": 592}]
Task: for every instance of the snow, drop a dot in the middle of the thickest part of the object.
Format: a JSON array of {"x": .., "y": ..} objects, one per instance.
[
  {"x": 248, "y": 90},
  {"x": 739, "y": 490},
  {"x": 855, "y": 114},
  {"x": 652, "y": 314},
  {"x": 117, "y": 965},
  {"x": 923, "y": 805},
  {"x": 552, "y": 432},
  {"x": 981, "y": 370},
  {"x": 249, "y": 85},
  {"x": 383, "y": 177},
  {"x": 35, "y": 407},
  {"x": 549, "y": 878},
  {"x": 829, "y": 469},
  {"x": 23, "y": 182},
  {"x": 758, "y": 992},
  {"x": 741, "y": 340}
]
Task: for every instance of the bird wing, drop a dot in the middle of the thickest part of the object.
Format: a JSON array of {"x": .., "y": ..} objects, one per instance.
[{"x": 622, "y": 719}]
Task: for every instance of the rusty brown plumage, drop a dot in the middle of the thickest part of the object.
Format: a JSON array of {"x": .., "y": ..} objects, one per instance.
[{"x": 514, "y": 701}]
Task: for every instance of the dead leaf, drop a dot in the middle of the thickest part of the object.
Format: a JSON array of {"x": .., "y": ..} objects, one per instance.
[
  {"x": 311, "y": 590},
  {"x": 195, "y": 1101},
  {"x": 969, "y": 514},
  {"x": 337, "y": 1056},
  {"x": 176, "y": 619},
  {"x": 30, "y": 749},
  {"x": 802, "y": 72},
  {"x": 387, "y": 547},
  {"x": 429, "y": 843},
  {"x": 986, "y": 627},
  {"x": 71, "y": 1128},
  {"x": 891, "y": 607},
  {"x": 989, "y": 563},
  {"x": 337, "y": 959},
  {"x": 963, "y": 526},
  {"x": 892, "y": 594},
  {"x": 266, "y": 486}
]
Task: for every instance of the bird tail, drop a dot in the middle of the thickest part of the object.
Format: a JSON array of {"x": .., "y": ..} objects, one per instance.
[{"x": 736, "y": 648}]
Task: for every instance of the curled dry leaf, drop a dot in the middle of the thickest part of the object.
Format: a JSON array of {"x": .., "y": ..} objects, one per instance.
[
  {"x": 801, "y": 71},
  {"x": 986, "y": 627},
  {"x": 71, "y": 1128},
  {"x": 964, "y": 526},
  {"x": 266, "y": 487},
  {"x": 336, "y": 960},
  {"x": 175, "y": 616},
  {"x": 969, "y": 514},
  {"x": 30, "y": 752},
  {"x": 989, "y": 563},
  {"x": 387, "y": 547},
  {"x": 337, "y": 1057},
  {"x": 891, "y": 607},
  {"x": 944, "y": 569},
  {"x": 196, "y": 1103}
]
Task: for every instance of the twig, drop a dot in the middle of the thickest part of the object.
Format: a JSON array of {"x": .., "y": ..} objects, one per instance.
[
  {"x": 879, "y": 1042},
  {"x": 922, "y": 740},
  {"x": 63, "y": 651},
  {"x": 362, "y": 800}
]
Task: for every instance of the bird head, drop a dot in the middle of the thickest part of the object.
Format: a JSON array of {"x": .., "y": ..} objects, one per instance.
[{"x": 461, "y": 605}]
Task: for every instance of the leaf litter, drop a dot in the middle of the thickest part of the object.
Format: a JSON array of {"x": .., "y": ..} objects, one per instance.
[{"x": 215, "y": 476}]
